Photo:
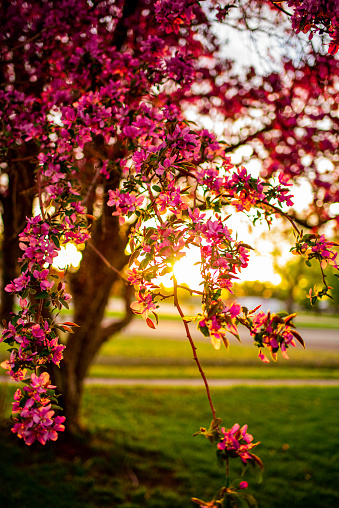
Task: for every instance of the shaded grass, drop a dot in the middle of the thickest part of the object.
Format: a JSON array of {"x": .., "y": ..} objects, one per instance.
[{"x": 143, "y": 454}]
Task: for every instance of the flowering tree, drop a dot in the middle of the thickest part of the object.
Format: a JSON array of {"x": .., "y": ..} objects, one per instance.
[{"x": 94, "y": 125}]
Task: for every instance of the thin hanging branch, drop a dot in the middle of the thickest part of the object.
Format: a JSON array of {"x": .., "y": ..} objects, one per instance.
[
  {"x": 189, "y": 336},
  {"x": 107, "y": 263}
]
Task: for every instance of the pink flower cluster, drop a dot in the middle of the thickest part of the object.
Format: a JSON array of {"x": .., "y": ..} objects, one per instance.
[
  {"x": 36, "y": 242},
  {"x": 173, "y": 14},
  {"x": 235, "y": 442},
  {"x": 242, "y": 189},
  {"x": 172, "y": 200},
  {"x": 322, "y": 248},
  {"x": 34, "y": 418},
  {"x": 223, "y": 321},
  {"x": 125, "y": 203},
  {"x": 315, "y": 246},
  {"x": 273, "y": 332},
  {"x": 143, "y": 305}
]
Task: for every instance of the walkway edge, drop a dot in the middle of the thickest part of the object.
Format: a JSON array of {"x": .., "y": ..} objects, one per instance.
[{"x": 212, "y": 382}]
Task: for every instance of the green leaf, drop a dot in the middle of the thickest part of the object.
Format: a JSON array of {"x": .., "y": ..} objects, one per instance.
[
  {"x": 204, "y": 330},
  {"x": 156, "y": 188},
  {"x": 215, "y": 423},
  {"x": 156, "y": 317},
  {"x": 134, "y": 256},
  {"x": 298, "y": 337},
  {"x": 235, "y": 500},
  {"x": 55, "y": 240},
  {"x": 44, "y": 294},
  {"x": 212, "y": 432},
  {"x": 250, "y": 500},
  {"x": 246, "y": 246},
  {"x": 56, "y": 407},
  {"x": 64, "y": 303},
  {"x": 143, "y": 263},
  {"x": 168, "y": 269}
]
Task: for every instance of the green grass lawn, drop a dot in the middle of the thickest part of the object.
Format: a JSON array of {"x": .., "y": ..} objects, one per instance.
[
  {"x": 139, "y": 357},
  {"x": 308, "y": 320},
  {"x": 303, "y": 319},
  {"x": 143, "y": 350},
  {"x": 141, "y": 452}
]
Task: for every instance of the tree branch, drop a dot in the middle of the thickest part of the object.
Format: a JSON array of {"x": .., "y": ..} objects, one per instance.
[
  {"x": 107, "y": 263},
  {"x": 189, "y": 336},
  {"x": 113, "y": 328}
]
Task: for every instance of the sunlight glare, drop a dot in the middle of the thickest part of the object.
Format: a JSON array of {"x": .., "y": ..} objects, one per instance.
[
  {"x": 186, "y": 271},
  {"x": 68, "y": 256}
]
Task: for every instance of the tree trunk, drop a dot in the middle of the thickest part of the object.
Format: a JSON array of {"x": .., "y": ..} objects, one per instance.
[
  {"x": 17, "y": 204},
  {"x": 90, "y": 287}
]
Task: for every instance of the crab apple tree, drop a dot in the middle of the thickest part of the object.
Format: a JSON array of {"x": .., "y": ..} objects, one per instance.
[{"x": 95, "y": 137}]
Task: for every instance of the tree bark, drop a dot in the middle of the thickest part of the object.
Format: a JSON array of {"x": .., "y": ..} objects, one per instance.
[
  {"x": 91, "y": 287},
  {"x": 17, "y": 203}
]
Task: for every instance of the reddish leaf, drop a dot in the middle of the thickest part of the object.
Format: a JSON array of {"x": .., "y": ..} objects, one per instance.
[{"x": 150, "y": 323}]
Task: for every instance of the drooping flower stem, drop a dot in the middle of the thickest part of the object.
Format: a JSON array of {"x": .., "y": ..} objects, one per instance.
[
  {"x": 194, "y": 349},
  {"x": 38, "y": 318},
  {"x": 41, "y": 205}
]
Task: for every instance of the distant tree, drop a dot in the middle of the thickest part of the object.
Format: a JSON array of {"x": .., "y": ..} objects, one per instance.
[
  {"x": 258, "y": 288},
  {"x": 298, "y": 278}
]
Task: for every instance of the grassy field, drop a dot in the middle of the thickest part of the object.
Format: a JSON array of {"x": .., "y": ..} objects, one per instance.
[
  {"x": 303, "y": 319},
  {"x": 308, "y": 320},
  {"x": 141, "y": 452},
  {"x": 139, "y": 357}
]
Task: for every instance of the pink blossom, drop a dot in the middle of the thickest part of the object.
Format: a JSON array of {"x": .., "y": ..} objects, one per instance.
[
  {"x": 237, "y": 443},
  {"x": 143, "y": 305},
  {"x": 19, "y": 283}
]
